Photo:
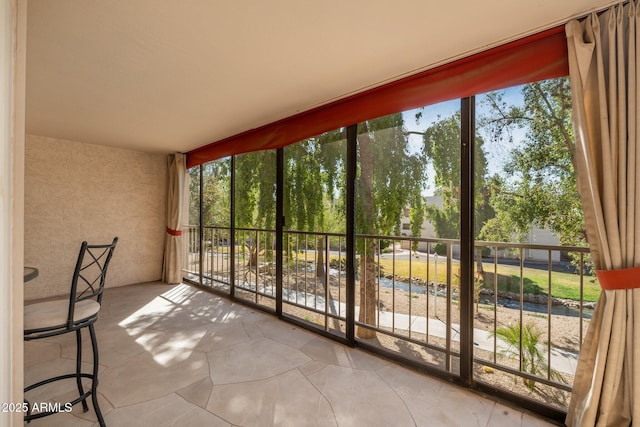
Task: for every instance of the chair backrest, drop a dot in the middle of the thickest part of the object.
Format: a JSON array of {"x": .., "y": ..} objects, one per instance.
[{"x": 90, "y": 273}]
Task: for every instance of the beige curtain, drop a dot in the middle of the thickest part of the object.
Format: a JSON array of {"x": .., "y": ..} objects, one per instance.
[
  {"x": 176, "y": 173},
  {"x": 604, "y": 81}
]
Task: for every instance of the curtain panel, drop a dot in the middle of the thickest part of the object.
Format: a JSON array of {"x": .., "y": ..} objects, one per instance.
[
  {"x": 176, "y": 180},
  {"x": 603, "y": 64}
]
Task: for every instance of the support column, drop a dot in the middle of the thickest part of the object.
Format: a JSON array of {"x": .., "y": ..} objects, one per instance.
[{"x": 467, "y": 231}]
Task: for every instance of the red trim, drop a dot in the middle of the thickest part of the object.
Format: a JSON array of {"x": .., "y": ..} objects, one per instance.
[
  {"x": 537, "y": 57},
  {"x": 626, "y": 278},
  {"x": 174, "y": 232}
]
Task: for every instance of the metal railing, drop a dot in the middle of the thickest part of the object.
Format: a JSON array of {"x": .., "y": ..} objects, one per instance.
[
  {"x": 415, "y": 293},
  {"x": 213, "y": 267},
  {"x": 531, "y": 318},
  {"x": 530, "y": 306}
]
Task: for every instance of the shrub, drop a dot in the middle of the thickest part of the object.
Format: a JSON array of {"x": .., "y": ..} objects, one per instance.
[{"x": 533, "y": 360}]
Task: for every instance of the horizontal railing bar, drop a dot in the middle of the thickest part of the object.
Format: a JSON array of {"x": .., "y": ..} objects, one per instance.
[
  {"x": 480, "y": 243},
  {"x": 411, "y": 340},
  {"x": 563, "y": 248},
  {"x": 314, "y": 310},
  {"x": 254, "y": 291},
  {"x": 412, "y": 239},
  {"x": 315, "y": 233},
  {"x": 523, "y": 374}
]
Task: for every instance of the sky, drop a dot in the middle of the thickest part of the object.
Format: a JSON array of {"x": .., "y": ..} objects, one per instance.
[{"x": 496, "y": 153}]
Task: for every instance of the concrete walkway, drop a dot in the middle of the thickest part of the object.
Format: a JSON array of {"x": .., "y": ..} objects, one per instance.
[{"x": 561, "y": 360}]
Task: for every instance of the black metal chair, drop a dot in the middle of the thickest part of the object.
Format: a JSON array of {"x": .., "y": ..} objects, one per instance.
[{"x": 80, "y": 310}]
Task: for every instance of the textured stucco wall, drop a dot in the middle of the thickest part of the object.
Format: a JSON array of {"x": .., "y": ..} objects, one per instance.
[{"x": 75, "y": 192}]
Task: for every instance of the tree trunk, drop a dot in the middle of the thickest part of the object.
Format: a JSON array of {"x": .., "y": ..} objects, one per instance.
[
  {"x": 478, "y": 279},
  {"x": 479, "y": 268},
  {"x": 368, "y": 300},
  {"x": 253, "y": 255},
  {"x": 320, "y": 257}
]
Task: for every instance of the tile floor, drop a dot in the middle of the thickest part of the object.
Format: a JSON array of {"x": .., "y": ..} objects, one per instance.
[{"x": 180, "y": 356}]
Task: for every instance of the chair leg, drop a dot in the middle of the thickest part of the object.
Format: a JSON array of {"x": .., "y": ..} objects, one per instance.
[
  {"x": 85, "y": 407},
  {"x": 94, "y": 382}
]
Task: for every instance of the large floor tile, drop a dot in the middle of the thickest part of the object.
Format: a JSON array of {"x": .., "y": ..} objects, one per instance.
[
  {"x": 361, "y": 398},
  {"x": 143, "y": 378},
  {"x": 406, "y": 382},
  {"x": 114, "y": 346},
  {"x": 287, "y": 399},
  {"x": 284, "y": 333},
  {"x": 253, "y": 360},
  {"x": 61, "y": 419},
  {"x": 197, "y": 393},
  {"x": 324, "y": 350},
  {"x": 457, "y": 406},
  {"x": 223, "y": 336},
  {"x": 171, "y": 410}
]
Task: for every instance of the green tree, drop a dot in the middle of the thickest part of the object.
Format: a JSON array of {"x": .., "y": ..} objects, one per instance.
[
  {"x": 313, "y": 172},
  {"x": 215, "y": 193},
  {"x": 538, "y": 186},
  {"x": 391, "y": 176},
  {"x": 442, "y": 145},
  {"x": 255, "y": 189},
  {"x": 194, "y": 196},
  {"x": 255, "y": 197}
]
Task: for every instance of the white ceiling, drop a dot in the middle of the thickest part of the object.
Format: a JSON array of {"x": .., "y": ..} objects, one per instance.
[{"x": 165, "y": 76}]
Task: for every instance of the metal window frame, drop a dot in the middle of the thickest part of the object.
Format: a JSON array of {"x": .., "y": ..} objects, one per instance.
[{"x": 467, "y": 253}]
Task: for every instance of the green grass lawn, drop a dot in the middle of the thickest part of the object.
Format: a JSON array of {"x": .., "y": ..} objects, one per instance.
[
  {"x": 534, "y": 281},
  {"x": 563, "y": 285}
]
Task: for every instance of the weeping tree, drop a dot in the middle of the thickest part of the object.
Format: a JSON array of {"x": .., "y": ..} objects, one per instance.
[
  {"x": 391, "y": 176},
  {"x": 442, "y": 151},
  {"x": 314, "y": 170},
  {"x": 255, "y": 196}
]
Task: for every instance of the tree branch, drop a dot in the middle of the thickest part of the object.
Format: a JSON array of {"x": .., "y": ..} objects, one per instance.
[{"x": 558, "y": 121}]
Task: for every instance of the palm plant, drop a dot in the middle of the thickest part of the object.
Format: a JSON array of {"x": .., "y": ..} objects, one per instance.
[{"x": 533, "y": 360}]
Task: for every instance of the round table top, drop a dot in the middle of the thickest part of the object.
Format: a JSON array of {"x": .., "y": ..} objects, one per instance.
[{"x": 30, "y": 273}]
